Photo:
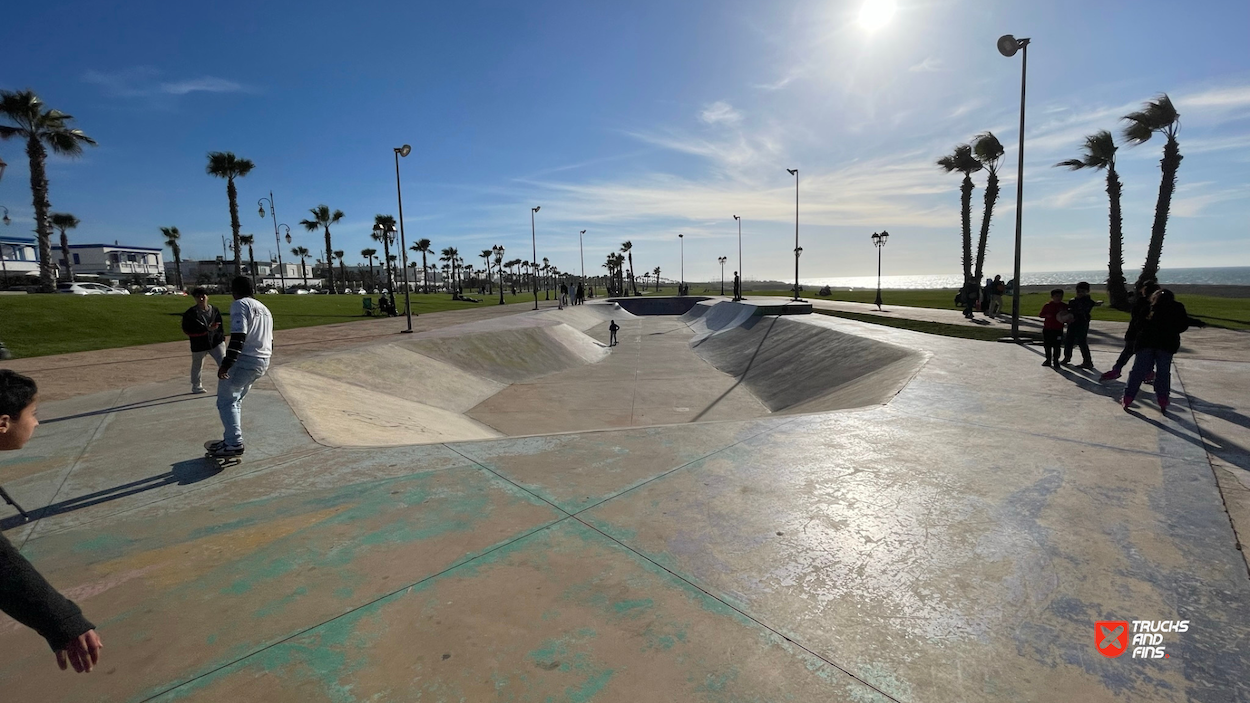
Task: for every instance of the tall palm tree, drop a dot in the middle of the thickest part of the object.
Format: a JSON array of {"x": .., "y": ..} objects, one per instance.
[
  {"x": 302, "y": 253},
  {"x": 369, "y": 254},
  {"x": 321, "y": 219},
  {"x": 424, "y": 247},
  {"x": 387, "y": 223},
  {"x": 224, "y": 164},
  {"x": 546, "y": 269},
  {"x": 962, "y": 160},
  {"x": 1158, "y": 115},
  {"x": 627, "y": 248},
  {"x": 248, "y": 240},
  {"x": 485, "y": 255},
  {"x": 452, "y": 256},
  {"x": 988, "y": 152},
  {"x": 1099, "y": 154},
  {"x": 339, "y": 254},
  {"x": 656, "y": 273},
  {"x": 64, "y": 222},
  {"x": 172, "y": 236},
  {"x": 42, "y": 129}
]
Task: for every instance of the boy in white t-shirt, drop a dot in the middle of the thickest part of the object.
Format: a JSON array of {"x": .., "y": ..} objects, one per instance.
[{"x": 247, "y": 359}]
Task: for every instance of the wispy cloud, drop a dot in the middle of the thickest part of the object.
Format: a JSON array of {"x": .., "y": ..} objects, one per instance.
[
  {"x": 144, "y": 81},
  {"x": 720, "y": 112},
  {"x": 929, "y": 65}
]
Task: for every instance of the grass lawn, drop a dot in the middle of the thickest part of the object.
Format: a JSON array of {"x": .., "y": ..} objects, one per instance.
[
  {"x": 961, "y": 331},
  {"x": 38, "y": 325}
]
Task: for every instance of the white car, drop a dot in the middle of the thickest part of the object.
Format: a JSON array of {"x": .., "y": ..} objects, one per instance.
[
  {"x": 114, "y": 290},
  {"x": 77, "y": 288}
]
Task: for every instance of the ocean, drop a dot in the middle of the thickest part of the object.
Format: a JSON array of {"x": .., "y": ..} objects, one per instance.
[{"x": 1219, "y": 276}]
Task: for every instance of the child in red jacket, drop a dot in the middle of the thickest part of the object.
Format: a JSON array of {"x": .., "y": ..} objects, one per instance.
[{"x": 1054, "y": 315}]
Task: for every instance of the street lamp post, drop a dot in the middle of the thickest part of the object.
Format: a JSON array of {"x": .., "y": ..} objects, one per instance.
[
  {"x": 404, "y": 151},
  {"x": 582, "y": 253},
  {"x": 534, "y": 242},
  {"x": 498, "y": 249},
  {"x": 681, "y": 238},
  {"x": 277, "y": 241},
  {"x": 878, "y": 240},
  {"x": 1008, "y": 46},
  {"x": 722, "y": 260},
  {"x": 738, "y": 292},
  {"x": 797, "y": 249}
]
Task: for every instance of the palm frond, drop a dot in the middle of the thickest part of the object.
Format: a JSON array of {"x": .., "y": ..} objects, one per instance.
[
  {"x": 987, "y": 150},
  {"x": 1073, "y": 164}
]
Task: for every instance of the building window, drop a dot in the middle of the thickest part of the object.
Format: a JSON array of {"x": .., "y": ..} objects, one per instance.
[
  {"x": 130, "y": 258},
  {"x": 76, "y": 261}
]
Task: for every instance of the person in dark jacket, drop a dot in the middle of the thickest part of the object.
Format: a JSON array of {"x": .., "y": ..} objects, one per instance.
[
  {"x": 202, "y": 323},
  {"x": 1081, "y": 307},
  {"x": 1157, "y": 341},
  {"x": 1141, "y": 308},
  {"x": 25, "y": 595}
]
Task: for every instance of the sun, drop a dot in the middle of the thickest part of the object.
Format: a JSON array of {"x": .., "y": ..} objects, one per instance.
[{"x": 875, "y": 14}]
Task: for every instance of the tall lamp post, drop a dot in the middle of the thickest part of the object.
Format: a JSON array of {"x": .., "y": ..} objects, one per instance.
[
  {"x": 534, "y": 242},
  {"x": 582, "y": 252},
  {"x": 681, "y": 238},
  {"x": 276, "y": 239},
  {"x": 404, "y": 151},
  {"x": 738, "y": 294},
  {"x": 878, "y": 240},
  {"x": 498, "y": 249},
  {"x": 1008, "y": 46},
  {"x": 722, "y": 260},
  {"x": 797, "y": 249}
]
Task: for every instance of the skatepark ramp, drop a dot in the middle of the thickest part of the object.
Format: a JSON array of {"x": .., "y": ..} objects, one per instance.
[{"x": 553, "y": 371}]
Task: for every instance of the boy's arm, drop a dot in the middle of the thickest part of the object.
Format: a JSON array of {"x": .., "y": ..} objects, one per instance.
[
  {"x": 27, "y": 597},
  {"x": 188, "y": 320},
  {"x": 239, "y": 324}
]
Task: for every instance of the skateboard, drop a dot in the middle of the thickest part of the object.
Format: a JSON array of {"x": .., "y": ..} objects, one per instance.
[{"x": 222, "y": 462}]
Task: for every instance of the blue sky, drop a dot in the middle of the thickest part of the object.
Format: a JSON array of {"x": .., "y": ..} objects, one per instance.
[{"x": 638, "y": 121}]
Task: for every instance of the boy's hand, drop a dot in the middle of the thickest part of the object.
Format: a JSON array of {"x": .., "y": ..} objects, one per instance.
[
  {"x": 223, "y": 374},
  {"x": 1098, "y": 303},
  {"x": 83, "y": 652}
]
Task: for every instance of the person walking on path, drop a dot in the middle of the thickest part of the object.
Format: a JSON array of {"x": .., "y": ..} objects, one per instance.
[
  {"x": 737, "y": 286},
  {"x": 1081, "y": 307},
  {"x": 581, "y": 293},
  {"x": 612, "y": 329},
  {"x": 202, "y": 323},
  {"x": 1054, "y": 315},
  {"x": 1157, "y": 341},
  {"x": 564, "y": 296},
  {"x": 1141, "y": 308},
  {"x": 247, "y": 359},
  {"x": 997, "y": 288},
  {"x": 25, "y": 595}
]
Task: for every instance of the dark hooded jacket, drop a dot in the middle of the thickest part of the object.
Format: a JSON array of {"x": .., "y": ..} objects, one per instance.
[
  {"x": 29, "y": 599},
  {"x": 1162, "y": 326}
]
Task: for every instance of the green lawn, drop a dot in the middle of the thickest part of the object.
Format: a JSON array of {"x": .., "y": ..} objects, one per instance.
[
  {"x": 37, "y": 325},
  {"x": 992, "y": 334}
]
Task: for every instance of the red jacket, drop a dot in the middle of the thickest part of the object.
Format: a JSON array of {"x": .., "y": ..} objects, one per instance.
[{"x": 1050, "y": 315}]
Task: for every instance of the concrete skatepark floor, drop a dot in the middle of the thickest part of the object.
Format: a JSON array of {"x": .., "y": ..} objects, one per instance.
[{"x": 957, "y": 542}]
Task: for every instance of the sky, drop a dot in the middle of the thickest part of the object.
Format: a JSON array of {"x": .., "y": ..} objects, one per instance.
[{"x": 638, "y": 121}]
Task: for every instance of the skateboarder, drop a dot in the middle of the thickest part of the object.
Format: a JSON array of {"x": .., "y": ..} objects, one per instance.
[
  {"x": 202, "y": 323},
  {"x": 612, "y": 328},
  {"x": 25, "y": 595},
  {"x": 247, "y": 359}
]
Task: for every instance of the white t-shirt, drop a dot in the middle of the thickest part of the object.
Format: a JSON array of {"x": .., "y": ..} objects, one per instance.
[{"x": 251, "y": 317}]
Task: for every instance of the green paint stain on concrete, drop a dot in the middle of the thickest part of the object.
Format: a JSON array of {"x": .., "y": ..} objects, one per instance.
[
  {"x": 627, "y": 606},
  {"x": 281, "y": 604},
  {"x": 344, "y": 592},
  {"x": 103, "y": 546}
]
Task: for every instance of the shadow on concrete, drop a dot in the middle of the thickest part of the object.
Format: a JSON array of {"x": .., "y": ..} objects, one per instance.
[
  {"x": 1210, "y": 442},
  {"x": 745, "y": 371},
  {"x": 1226, "y": 413},
  {"x": 155, "y": 402},
  {"x": 183, "y": 473}
]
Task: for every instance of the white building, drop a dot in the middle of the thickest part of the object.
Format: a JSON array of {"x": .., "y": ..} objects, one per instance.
[
  {"x": 115, "y": 262},
  {"x": 19, "y": 259}
]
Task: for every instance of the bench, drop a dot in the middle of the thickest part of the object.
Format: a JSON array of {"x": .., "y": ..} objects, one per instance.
[{"x": 368, "y": 306}]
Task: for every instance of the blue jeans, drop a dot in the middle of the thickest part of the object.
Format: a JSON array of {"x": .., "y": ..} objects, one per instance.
[
  {"x": 1158, "y": 360},
  {"x": 230, "y": 394}
]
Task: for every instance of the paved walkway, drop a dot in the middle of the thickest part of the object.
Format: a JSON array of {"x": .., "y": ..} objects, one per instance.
[{"x": 957, "y": 543}]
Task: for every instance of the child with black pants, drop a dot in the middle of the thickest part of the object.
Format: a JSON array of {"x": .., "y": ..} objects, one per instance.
[
  {"x": 1081, "y": 307},
  {"x": 1054, "y": 314}
]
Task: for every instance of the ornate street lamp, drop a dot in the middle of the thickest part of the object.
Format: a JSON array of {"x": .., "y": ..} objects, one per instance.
[
  {"x": 534, "y": 242},
  {"x": 722, "y": 260},
  {"x": 1008, "y": 46},
  {"x": 404, "y": 151},
  {"x": 277, "y": 241},
  {"x": 498, "y": 249},
  {"x": 878, "y": 240}
]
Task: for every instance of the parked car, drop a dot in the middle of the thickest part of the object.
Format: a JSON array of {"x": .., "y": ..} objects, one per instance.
[
  {"x": 115, "y": 290},
  {"x": 79, "y": 288}
]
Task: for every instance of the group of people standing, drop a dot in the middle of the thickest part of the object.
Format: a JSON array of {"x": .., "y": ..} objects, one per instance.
[
  {"x": 987, "y": 298},
  {"x": 572, "y": 294}
]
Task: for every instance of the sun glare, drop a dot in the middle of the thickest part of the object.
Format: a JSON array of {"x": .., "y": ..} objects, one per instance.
[{"x": 875, "y": 14}]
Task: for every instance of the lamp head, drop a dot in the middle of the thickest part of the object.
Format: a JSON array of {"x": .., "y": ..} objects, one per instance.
[
  {"x": 737, "y": 218},
  {"x": 261, "y": 211},
  {"x": 7, "y": 221},
  {"x": 583, "y": 231},
  {"x": 793, "y": 171},
  {"x": 884, "y": 236},
  {"x": 681, "y": 236},
  {"x": 875, "y": 237},
  {"x": 404, "y": 150},
  {"x": 1009, "y": 45},
  {"x": 378, "y": 229},
  {"x": 288, "y": 237}
]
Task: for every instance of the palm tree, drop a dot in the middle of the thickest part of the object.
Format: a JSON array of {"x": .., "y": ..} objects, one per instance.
[
  {"x": 656, "y": 273},
  {"x": 424, "y": 247},
  {"x": 387, "y": 224},
  {"x": 339, "y": 254},
  {"x": 171, "y": 240},
  {"x": 302, "y": 253},
  {"x": 546, "y": 269},
  {"x": 65, "y": 221},
  {"x": 963, "y": 161},
  {"x": 369, "y": 254},
  {"x": 1160, "y": 116},
  {"x": 988, "y": 151},
  {"x": 490, "y": 282},
  {"x": 322, "y": 218},
  {"x": 42, "y": 129},
  {"x": 452, "y": 256},
  {"x": 248, "y": 240},
  {"x": 1099, "y": 154},
  {"x": 628, "y": 249},
  {"x": 224, "y": 164}
]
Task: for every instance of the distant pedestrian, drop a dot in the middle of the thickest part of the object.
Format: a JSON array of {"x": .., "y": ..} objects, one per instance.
[
  {"x": 986, "y": 290},
  {"x": 1158, "y": 340},
  {"x": 202, "y": 323},
  {"x": 737, "y": 286},
  {"x": 581, "y": 293},
  {"x": 997, "y": 288},
  {"x": 564, "y": 295},
  {"x": 969, "y": 295},
  {"x": 247, "y": 359},
  {"x": 1081, "y": 307},
  {"x": 1054, "y": 315},
  {"x": 25, "y": 595},
  {"x": 612, "y": 329},
  {"x": 1141, "y": 308}
]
